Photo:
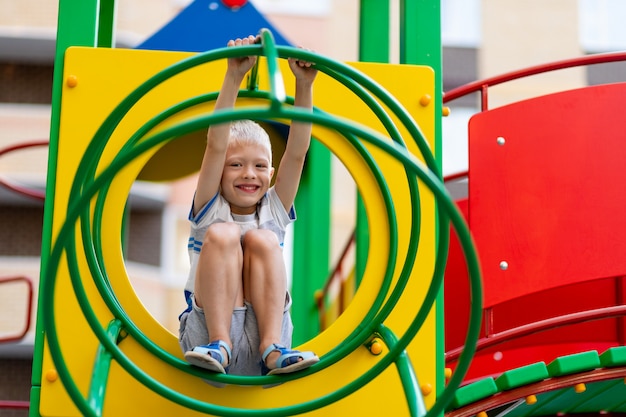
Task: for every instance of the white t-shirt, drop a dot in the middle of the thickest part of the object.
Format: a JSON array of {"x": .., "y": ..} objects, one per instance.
[{"x": 270, "y": 214}]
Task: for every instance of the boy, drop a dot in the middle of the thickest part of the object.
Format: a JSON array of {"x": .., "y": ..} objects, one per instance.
[{"x": 236, "y": 291}]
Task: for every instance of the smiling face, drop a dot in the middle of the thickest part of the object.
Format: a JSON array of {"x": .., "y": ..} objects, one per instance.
[{"x": 246, "y": 177}]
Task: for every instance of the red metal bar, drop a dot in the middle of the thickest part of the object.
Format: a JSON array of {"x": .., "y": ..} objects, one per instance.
[
  {"x": 29, "y": 192},
  {"x": 484, "y": 97},
  {"x": 543, "y": 325},
  {"x": 488, "y": 321},
  {"x": 14, "y": 405},
  {"x": 29, "y": 310},
  {"x": 11, "y": 404},
  {"x": 455, "y": 176},
  {"x": 334, "y": 276},
  {"x": 483, "y": 85},
  {"x": 619, "y": 300}
]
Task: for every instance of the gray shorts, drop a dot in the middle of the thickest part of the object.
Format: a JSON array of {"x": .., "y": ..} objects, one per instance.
[{"x": 244, "y": 334}]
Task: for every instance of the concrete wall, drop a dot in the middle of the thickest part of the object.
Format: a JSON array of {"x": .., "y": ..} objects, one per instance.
[{"x": 521, "y": 33}]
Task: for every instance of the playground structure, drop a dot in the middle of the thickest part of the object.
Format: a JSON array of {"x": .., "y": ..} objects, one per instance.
[
  {"x": 544, "y": 200},
  {"x": 124, "y": 126},
  {"x": 575, "y": 378}
]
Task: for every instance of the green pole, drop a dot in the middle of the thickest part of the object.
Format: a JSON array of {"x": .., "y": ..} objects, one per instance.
[
  {"x": 374, "y": 31},
  {"x": 311, "y": 246},
  {"x": 106, "y": 26},
  {"x": 311, "y": 249},
  {"x": 77, "y": 25},
  {"x": 420, "y": 43},
  {"x": 374, "y": 37}
]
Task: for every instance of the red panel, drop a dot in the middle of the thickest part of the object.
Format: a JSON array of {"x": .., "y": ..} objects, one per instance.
[
  {"x": 456, "y": 290},
  {"x": 550, "y": 201}
]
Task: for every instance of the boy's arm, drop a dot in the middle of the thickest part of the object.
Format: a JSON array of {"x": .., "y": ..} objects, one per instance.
[
  {"x": 292, "y": 161},
  {"x": 212, "y": 166}
]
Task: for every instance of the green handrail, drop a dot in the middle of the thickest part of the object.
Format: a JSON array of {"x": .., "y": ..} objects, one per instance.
[
  {"x": 101, "y": 367},
  {"x": 407, "y": 374},
  {"x": 277, "y": 87},
  {"x": 391, "y": 264}
]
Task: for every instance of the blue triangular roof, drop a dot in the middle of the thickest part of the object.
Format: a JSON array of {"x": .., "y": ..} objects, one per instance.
[{"x": 209, "y": 24}]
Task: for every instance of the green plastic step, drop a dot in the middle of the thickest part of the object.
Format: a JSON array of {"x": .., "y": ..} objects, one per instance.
[
  {"x": 522, "y": 376},
  {"x": 474, "y": 392},
  {"x": 615, "y": 356},
  {"x": 577, "y": 362}
]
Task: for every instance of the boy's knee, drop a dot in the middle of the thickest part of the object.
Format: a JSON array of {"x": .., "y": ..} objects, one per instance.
[
  {"x": 222, "y": 234},
  {"x": 260, "y": 240}
]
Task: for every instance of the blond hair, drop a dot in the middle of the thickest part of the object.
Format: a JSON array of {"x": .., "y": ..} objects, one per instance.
[{"x": 246, "y": 132}]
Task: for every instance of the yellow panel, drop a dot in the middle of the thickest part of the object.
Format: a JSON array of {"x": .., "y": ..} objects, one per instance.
[{"x": 105, "y": 77}]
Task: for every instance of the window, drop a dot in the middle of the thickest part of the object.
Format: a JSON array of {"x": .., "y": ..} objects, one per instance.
[
  {"x": 460, "y": 23},
  {"x": 602, "y": 25}
]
